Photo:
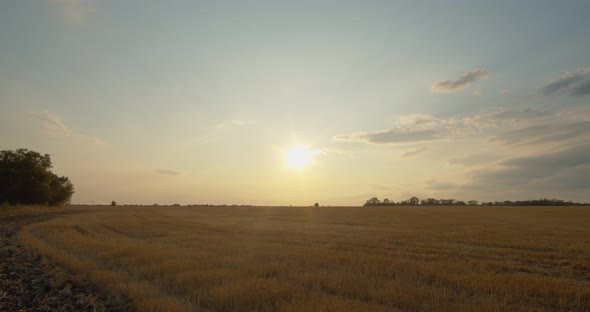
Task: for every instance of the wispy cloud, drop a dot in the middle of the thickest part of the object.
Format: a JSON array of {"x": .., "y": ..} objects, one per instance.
[
  {"x": 424, "y": 128},
  {"x": 378, "y": 187},
  {"x": 507, "y": 119},
  {"x": 414, "y": 152},
  {"x": 576, "y": 83},
  {"x": 53, "y": 126},
  {"x": 410, "y": 129},
  {"x": 441, "y": 186},
  {"x": 393, "y": 136},
  {"x": 520, "y": 114},
  {"x": 475, "y": 159},
  {"x": 74, "y": 11},
  {"x": 462, "y": 82},
  {"x": 535, "y": 168},
  {"x": 167, "y": 172},
  {"x": 537, "y": 174},
  {"x": 546, "y": 133}
]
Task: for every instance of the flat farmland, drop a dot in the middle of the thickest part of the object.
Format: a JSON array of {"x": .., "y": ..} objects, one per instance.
[{"x": 327, "y": 258}]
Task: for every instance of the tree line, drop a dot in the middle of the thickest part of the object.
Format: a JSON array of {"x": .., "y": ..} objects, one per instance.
[{"x": 415, "y": 201}]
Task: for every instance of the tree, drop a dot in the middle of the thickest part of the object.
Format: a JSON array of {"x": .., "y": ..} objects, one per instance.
[
  {"x": 316, "y": 205},
  {"x": 432, "y": 201},
  {"x": 26, "y": 178},
  {"x": 451, "y": 202},
  {"x": 374, "y": 201},
  {"x": 113, "y": 203},
  {"x": 61, "y": 190},
  {"x": 448, "y": 202}
]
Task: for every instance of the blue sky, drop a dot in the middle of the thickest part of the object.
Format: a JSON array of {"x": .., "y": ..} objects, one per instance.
[{"x": 194, "y": 101}]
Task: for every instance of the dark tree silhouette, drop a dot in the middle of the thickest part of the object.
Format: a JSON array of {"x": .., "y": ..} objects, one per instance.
[
  {"x": 414, "y": 201},
  {"x": 26, "y": 178},
  {"x": 373, "y": 202},
  {"x": 61, "y": 190}
]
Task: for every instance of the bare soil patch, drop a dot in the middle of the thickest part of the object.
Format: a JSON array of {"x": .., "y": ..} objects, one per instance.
[{"x": 29, "y": 283}]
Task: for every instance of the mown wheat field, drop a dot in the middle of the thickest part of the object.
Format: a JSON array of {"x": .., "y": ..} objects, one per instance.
[{"x": 328, "y": 259}]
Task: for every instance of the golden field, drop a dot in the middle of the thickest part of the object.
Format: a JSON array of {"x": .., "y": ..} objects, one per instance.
[{"x": 328, "y": 258}]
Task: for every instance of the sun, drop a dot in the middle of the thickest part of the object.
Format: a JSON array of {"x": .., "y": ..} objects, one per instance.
[{"x": 297, "y": 156}]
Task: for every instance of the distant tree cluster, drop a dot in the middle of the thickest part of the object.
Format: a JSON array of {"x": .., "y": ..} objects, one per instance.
[
  {"x": 415, "y": 201},
  {"x": 534, "y": 202},
  {"x": 26, "y": 178}
]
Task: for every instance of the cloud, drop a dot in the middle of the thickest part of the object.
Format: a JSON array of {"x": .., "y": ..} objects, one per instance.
[
  {"x": 74, "y": 11},
  {"x": 464, "y": 81},
  {"x": 577, "y": 178},
  {"x": 53, "y": 126},
  {"x": 544, "y": 174},
  {"x": 441, "y": 186},
  {"x": 573, "y": 156},
  {"x": 391, "y": 136},
  {"x": 425, "y": 128},
  {"x": 414, "y": 152},
  {"x": 326, "y": 151},
  {"x": 410, "y": 129},
  {"x": 475, "y": 159},
  {"x": 506, "y": 119},
  {"x": 403, "y": 136},
  {"x": 520, "y": 114},
  {"x": 534, "y": 169},
  {"x": 378, "y": 187},
  {"x": 167, "y": 172},
  {"x": 545, "y": 133},
  {"x": 576, "y": 83}
]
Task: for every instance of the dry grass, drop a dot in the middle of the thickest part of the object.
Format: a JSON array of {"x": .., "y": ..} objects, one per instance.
[
  {"x": 328, "y": 259},
  {"x": 11, "y": 211}
]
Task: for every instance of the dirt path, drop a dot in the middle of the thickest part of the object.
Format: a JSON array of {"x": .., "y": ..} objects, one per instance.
[{"x": 28, "y": 283}]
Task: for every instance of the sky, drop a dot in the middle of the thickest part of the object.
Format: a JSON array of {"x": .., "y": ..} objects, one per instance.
[{"x": 196, "y": 102}]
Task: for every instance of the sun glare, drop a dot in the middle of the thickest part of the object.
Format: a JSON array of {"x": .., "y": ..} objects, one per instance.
[{"x": 297, "y": 156}]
